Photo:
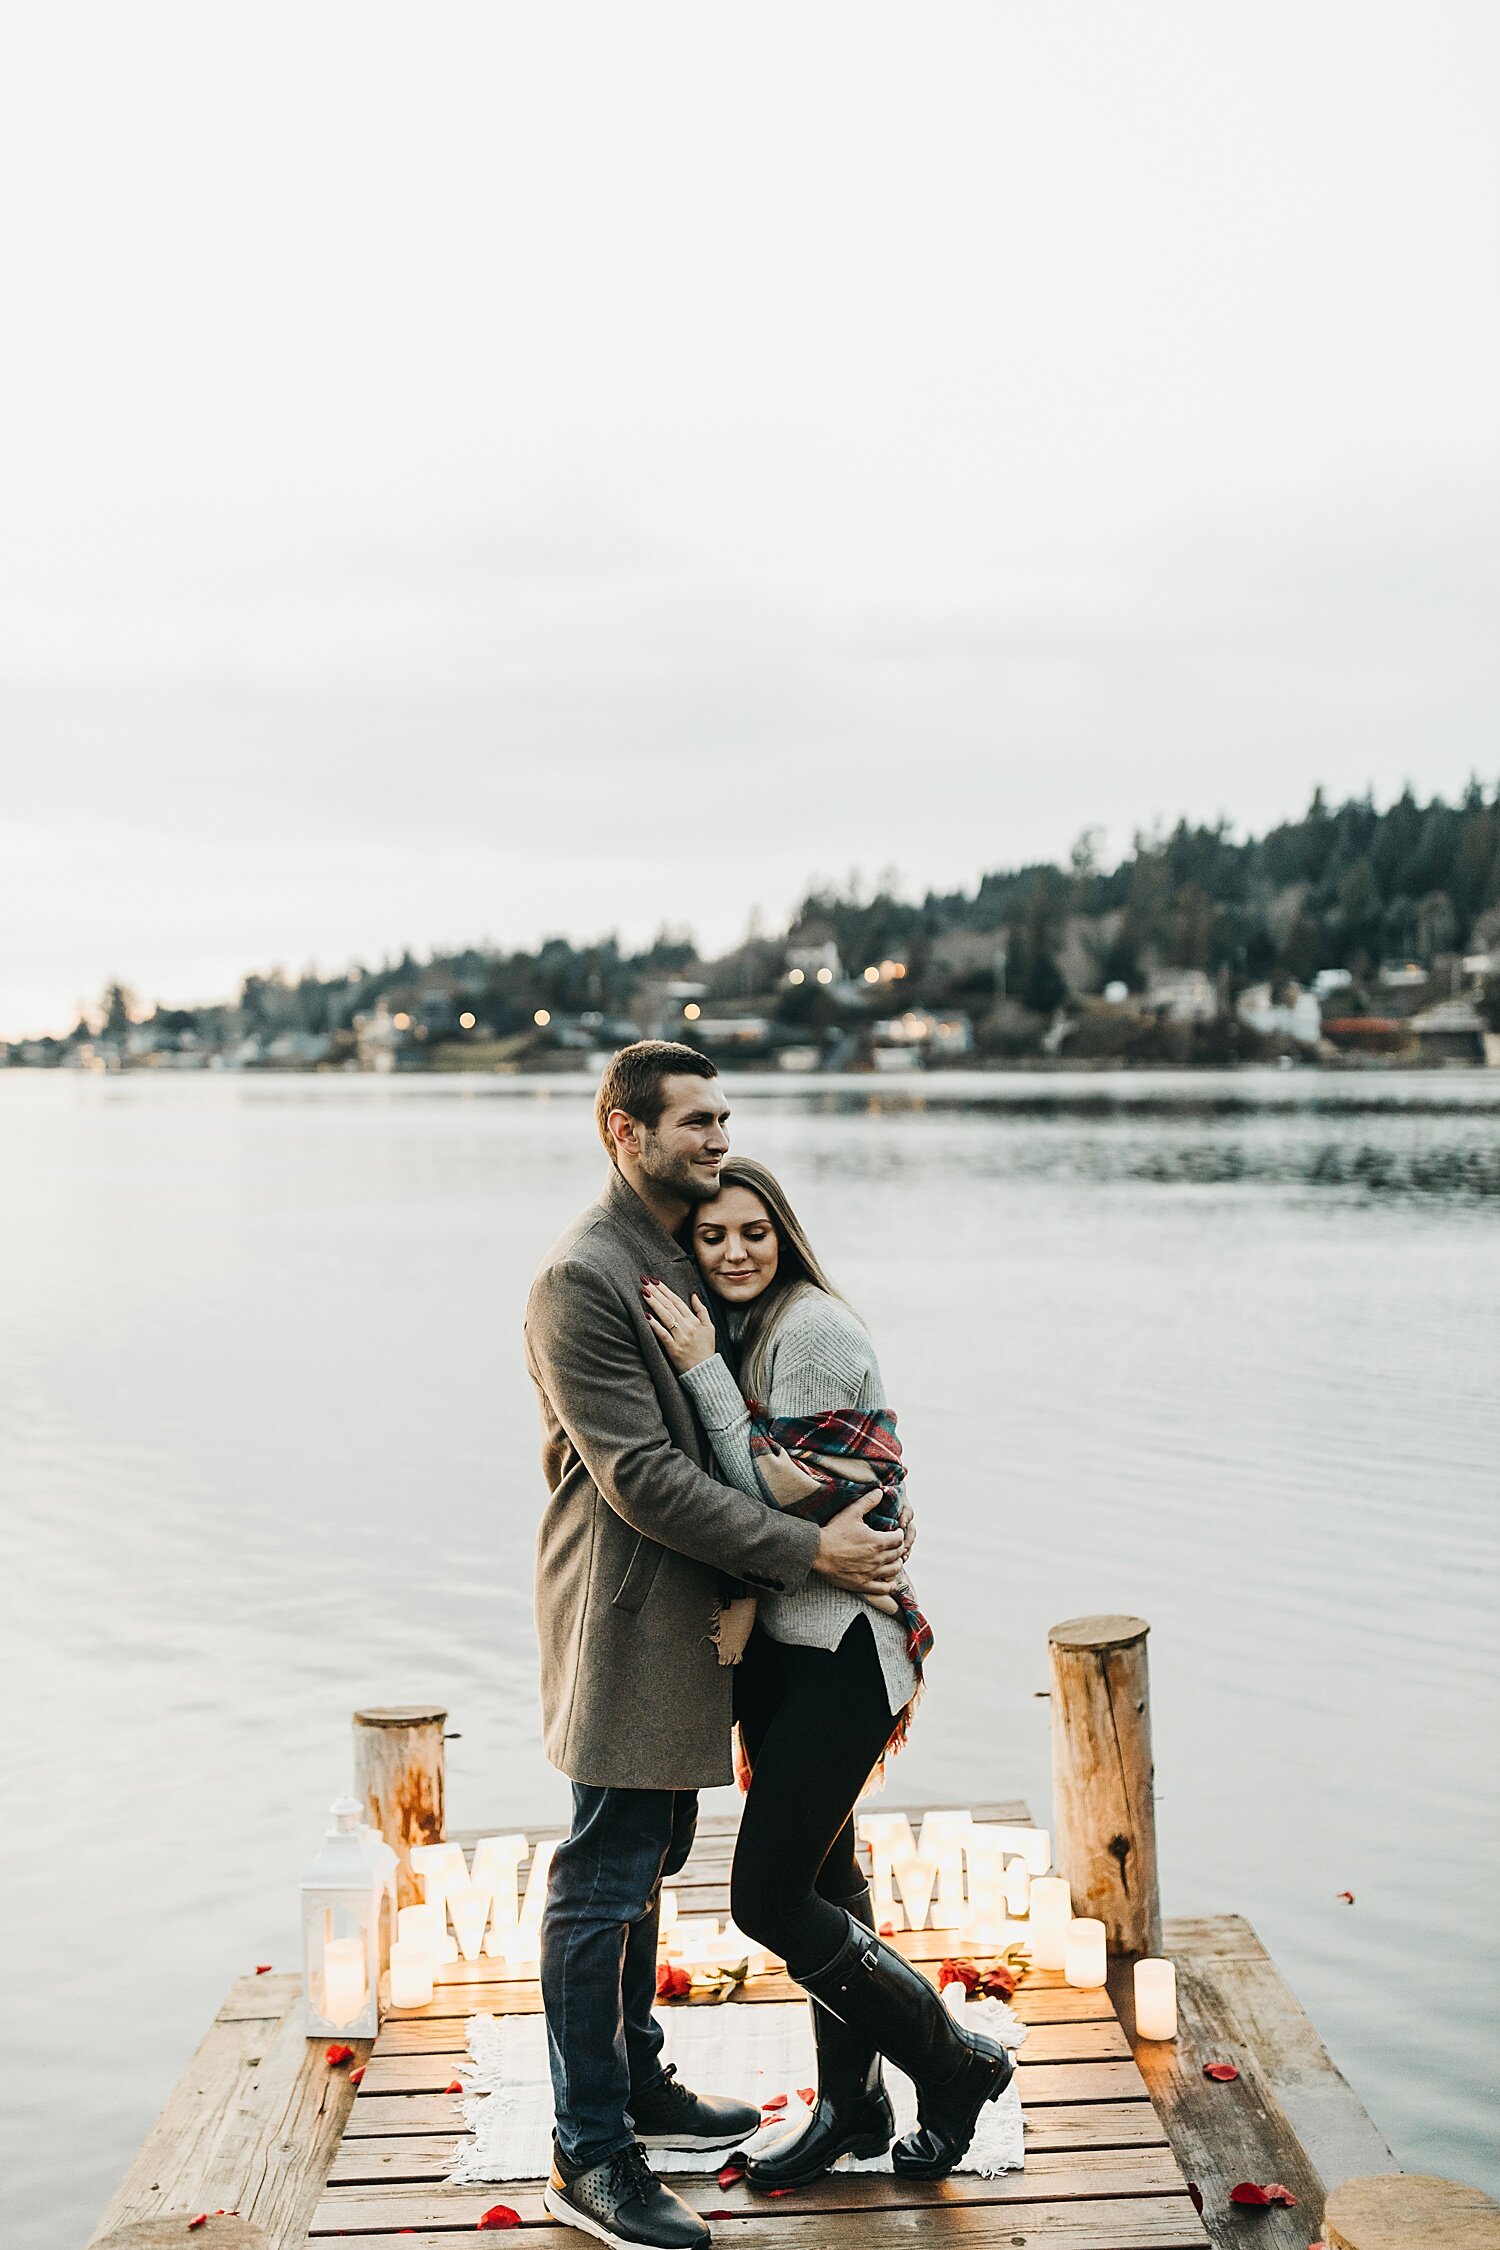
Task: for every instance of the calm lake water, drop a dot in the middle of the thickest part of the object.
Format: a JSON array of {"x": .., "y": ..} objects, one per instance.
[{"x": 1218, "y": 1350}]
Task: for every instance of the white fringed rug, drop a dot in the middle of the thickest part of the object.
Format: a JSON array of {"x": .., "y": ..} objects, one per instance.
[{"x": 753, "y": 2051}]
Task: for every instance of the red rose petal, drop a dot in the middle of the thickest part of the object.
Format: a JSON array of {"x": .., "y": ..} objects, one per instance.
[
  {"x": 356, "y": 2075},
  {"x": 886, "y": 1929},
  {"x": 1276, "y": 2193},
  {"x": 200, "y": 2221},
  {"x": 454, "y": 2086},
  {"x": 337, "y": 2053},
  {"x": 808, "y": 2094},
  {"x": 732, "y": 2171},
  {"x": 1347, "y": 1897},
  {"x": 781, "y": 2191},
  {"x": 772, "y": 2102},
  {"x": 263, "y": 1968},
  {"x": 498, "y": 2216},
  {"x": 1246, "y": 2191},
  {"x": 1223, "y": 2074},
  {"x": 719, "y": 2214}
]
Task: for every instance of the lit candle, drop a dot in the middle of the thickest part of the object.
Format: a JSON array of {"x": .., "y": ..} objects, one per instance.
[
  {"x": 1155, "y": 2000},
  {"x": 411, "y": 1973},
  {"x": 1017, "y": 1886},
  {"x": 1051, "y": 1912},
  {"x": 1083, "y": 1960},
  {"x": 669, "y": 1911},
  {"x": 343, "y": 1979},
  {"x": 418, "y": 1925},
  {"x": 954, "y": 1998}
]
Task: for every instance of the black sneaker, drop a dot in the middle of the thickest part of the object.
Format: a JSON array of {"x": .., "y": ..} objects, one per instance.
[
  {"x": 670, "y": 2115},
  {"x": 622, "y": 2201}
]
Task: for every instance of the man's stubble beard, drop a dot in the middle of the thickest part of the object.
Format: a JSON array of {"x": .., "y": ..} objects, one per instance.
[{"x": 674, "y": 1174}]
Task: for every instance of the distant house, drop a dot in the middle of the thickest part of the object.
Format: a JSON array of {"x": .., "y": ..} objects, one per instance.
[
  {"x": 1402, "y": 976},
  {"x": 1297, "y": 1016},
  {"x": 1182, "y": 996}
]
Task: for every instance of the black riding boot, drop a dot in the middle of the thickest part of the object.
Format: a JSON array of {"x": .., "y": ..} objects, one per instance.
[
  {"x": 875, "y": 1991},
  {"x": 853, "y": 2116}
]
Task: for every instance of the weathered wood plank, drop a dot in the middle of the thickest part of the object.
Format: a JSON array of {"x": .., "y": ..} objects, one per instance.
[
  {"x": 1336, "y": 2132},
  {"x": 1033, "y": 2003},
  {"x": 251, "y": 2126},
  {"x": 1078, "y": 2124},
  {"x": 1223, "y": 2134},
  {"x": 1135, "y": 2223},
  {"x": 1050, "y": 2130},
  {"x": 1097, "y": 2041},
  {"x": 1042, "y": 2082},
  {"x": 1073, "y": 2177},
  {"x": 406, "y": 2113}
]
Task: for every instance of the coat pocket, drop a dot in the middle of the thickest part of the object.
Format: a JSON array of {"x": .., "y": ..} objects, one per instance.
[{"x": 640, "y": 1577}]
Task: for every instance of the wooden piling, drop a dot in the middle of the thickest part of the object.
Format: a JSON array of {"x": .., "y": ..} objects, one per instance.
[
  {"x": 398, "y": 1778},
  {"x": 1103, "y": 1813}
]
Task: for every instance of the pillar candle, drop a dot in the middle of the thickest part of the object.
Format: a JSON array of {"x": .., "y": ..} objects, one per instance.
[
  {"x": 1051, "y": 1911},
  {"x": 1083, "y": 1959},
  {"x": 1155, "y": 2000},
  {"x": 411, "y": 1973},
  {"x": 344, "y": 1984},
  {"x": 421, "y": 1926}
]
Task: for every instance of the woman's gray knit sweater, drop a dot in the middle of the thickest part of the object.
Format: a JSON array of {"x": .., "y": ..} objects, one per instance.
[{"x": 820, "y": 1358}]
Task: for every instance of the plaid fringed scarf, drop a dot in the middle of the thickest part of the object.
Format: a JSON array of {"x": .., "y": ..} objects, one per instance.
[{"x": 817, "y": 1444}]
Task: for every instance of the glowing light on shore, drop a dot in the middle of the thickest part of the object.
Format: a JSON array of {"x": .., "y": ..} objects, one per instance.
[{"x": 542, "y": 1018}]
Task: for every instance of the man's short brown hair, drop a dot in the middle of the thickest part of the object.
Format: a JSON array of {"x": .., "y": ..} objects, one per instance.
[{"x": 635, "y": 1080}]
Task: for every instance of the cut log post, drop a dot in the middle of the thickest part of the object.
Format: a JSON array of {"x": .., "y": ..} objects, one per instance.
[
  {"x": 1103, "y": 1813},
  {"x": 1410, "y": 2211},
  {"x": 398, "y": 1778}
]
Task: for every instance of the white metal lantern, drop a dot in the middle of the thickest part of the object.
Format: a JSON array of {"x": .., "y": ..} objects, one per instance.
[{"x": 345, "y": 1933}]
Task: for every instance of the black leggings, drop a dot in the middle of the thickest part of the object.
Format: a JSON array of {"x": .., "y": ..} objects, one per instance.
[{"x": 814, "y": 1721}]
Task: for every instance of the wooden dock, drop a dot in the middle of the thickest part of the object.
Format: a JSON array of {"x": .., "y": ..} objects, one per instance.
[{"x": 1125, "y": 2144}]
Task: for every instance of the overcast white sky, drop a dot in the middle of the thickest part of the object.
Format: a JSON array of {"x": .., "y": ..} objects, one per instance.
[{"x": 482, "y": 471}]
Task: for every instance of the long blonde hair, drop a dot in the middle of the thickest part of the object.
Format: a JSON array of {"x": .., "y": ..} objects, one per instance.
[{"x": 797, "y": 1269}]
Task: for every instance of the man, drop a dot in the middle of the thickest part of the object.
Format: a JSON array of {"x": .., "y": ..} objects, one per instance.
[{"x": 636, "y": 1707}]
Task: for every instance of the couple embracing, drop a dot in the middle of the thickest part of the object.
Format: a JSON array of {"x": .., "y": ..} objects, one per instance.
[{"x": 724, "y": 1541}]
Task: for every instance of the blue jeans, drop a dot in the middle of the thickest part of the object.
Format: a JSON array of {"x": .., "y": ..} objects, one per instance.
[{"x": 599, "y": 1958}]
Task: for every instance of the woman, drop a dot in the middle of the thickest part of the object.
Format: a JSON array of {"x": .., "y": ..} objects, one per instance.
[{"x": 826, "y": 1683}]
